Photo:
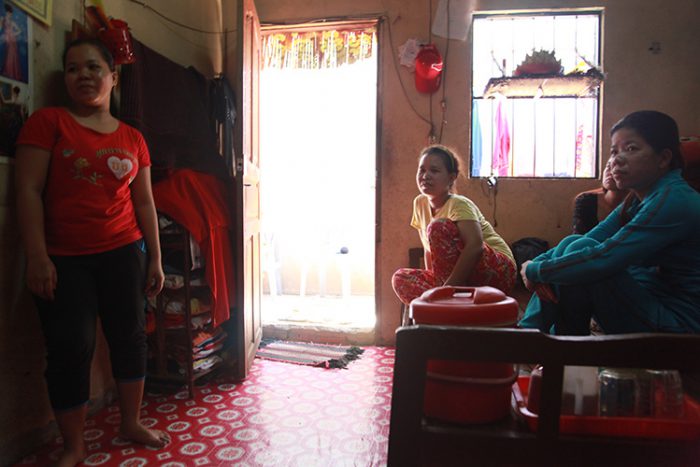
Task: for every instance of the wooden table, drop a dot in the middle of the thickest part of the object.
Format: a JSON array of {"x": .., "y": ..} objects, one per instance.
[{"x": 414, "y": 440}]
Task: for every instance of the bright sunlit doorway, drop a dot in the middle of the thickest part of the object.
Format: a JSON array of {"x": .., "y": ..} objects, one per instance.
[{"x": 318, "y": 93}]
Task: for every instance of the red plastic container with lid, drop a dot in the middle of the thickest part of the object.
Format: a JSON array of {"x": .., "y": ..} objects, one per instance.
[{"x": 466, "y": 392}]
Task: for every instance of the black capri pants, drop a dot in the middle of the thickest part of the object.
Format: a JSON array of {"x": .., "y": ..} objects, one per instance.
[{"x": 109, "y": 284}]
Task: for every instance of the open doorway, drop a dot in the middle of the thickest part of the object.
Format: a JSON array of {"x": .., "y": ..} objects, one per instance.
[{"x": 318, "y": 94}]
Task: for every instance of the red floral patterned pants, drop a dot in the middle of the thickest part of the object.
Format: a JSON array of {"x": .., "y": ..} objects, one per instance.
[{"x": 494, "y": 268}]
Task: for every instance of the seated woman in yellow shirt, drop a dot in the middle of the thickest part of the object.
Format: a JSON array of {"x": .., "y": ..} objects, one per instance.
[{"x": 461, "y": 247}]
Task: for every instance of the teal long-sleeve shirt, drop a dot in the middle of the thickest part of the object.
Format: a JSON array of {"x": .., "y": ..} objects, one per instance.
[{"x": 659, "y": 247}]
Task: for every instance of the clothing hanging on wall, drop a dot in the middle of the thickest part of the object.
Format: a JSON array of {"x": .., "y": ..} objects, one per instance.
[
  {"x": 198, "y": 202},
  {"x": 169, "y": 104},
  {"x": 500, "y": 164},
  {"x": 223, "y": 105}
]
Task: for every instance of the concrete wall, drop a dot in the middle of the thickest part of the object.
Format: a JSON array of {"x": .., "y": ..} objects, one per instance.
[{"x": 636, "y": 79}]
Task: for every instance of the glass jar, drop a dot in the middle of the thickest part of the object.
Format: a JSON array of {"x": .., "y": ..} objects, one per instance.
[
  {"x": 666, "y": 393},
  {"x": 624, "y": 392}
]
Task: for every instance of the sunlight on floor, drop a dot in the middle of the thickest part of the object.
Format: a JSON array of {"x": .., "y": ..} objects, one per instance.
[{"x": 355, "y": 311}]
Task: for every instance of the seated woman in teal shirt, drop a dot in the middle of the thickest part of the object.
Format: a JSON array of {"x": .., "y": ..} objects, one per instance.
[{"x": 639, "y": 269}]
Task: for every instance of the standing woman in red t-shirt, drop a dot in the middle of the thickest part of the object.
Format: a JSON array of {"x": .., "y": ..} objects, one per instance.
[{"x": 89, "y": 228}]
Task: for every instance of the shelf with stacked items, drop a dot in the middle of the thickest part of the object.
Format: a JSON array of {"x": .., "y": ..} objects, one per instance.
[
  {"x": 184, "y": 346},
  {"x": 545, "y": 85},
  {"x": 540, "y": 74}
]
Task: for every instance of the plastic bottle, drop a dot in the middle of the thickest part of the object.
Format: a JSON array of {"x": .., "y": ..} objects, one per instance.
[{"x": 580, "y": 390}]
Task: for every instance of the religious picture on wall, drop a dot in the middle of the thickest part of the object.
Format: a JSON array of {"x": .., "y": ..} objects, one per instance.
[
  {"x": 15, "y": 72},
  {"x": 14, "y": 50}
]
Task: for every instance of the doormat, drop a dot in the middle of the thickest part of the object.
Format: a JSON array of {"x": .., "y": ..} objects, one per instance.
[{"x": 305, "y": 353}]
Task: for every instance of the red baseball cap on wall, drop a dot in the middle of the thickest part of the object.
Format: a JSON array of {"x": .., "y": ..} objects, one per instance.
[{"x": 428, "y": 69}]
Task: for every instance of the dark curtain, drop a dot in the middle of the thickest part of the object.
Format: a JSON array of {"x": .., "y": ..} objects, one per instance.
[{"x": 170, "y": 105}]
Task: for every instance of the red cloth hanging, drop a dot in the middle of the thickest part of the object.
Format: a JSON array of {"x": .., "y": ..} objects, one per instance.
[{"x": 198, "y": 202}]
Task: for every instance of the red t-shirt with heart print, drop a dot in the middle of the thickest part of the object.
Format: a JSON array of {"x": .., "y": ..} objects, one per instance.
[{"x": 87, "y": 199}]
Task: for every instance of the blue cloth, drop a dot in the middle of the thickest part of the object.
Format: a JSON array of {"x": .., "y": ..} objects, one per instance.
[
  {"x": 641, "y": 276},
  {"x": 476, "y": 141}
]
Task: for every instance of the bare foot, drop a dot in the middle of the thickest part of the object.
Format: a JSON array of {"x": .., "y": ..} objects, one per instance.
[
  {"x": 71, "y": 458},
  {"x": 140, "y": 434}
]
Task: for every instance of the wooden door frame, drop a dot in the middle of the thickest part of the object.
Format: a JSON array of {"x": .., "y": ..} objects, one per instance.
[
  {"x": 376, "y": 22},
  {"x": 248, "y": 328}
]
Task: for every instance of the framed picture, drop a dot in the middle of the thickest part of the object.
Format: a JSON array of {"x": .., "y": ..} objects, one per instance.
[
  {"x": 14, "y": 109},
  {"x": 14, "y": 43},
  {"x": 40, "y": 9},
  {"x": 15, "y": 75}
]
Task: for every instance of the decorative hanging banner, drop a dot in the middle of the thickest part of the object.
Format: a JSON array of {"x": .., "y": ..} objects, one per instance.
[{"x": 318, "y": 49}]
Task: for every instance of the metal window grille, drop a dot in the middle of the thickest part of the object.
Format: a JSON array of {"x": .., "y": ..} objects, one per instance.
[{"x": 550, "y": 137}]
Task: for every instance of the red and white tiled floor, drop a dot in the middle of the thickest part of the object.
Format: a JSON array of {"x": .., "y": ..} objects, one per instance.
[{"x": 281, "y": 415}]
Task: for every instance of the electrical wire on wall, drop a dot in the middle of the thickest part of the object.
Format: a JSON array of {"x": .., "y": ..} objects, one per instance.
[
  {"x": 431, "y": 135},
  {"x": 443, "y": 102},
  {"x": 489, "y": 188},
  {"x": 223, "y": 34},
  {"x": 177, "y": 23},
  {"x": 385, "y": 19}
]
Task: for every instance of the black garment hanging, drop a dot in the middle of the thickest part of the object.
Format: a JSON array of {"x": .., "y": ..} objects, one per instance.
[
  {"x": 169, "y": 104},
  {"x": 223, "y": 107}
]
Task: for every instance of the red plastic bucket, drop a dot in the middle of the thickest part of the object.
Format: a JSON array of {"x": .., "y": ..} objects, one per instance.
[{"x": 458, "y": 391}]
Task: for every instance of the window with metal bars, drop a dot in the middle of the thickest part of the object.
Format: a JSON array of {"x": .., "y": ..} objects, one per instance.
[{"x": 534, "y": 124}]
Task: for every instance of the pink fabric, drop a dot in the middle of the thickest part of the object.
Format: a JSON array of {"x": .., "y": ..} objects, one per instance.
[
  {"x": 579, "y": 149},
  {"x": 501, "y": 148},
  {"x": 494, "y": 268}
]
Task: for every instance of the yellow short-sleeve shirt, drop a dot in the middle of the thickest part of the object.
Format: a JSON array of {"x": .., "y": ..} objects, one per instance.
[{"x": 457, "y": 208}]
